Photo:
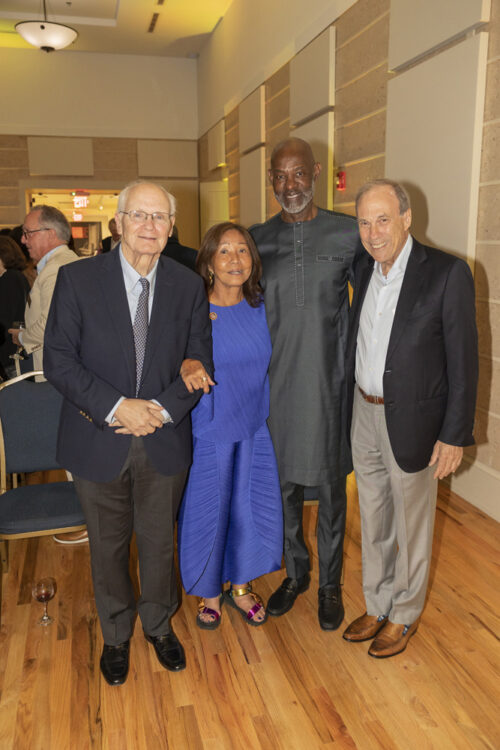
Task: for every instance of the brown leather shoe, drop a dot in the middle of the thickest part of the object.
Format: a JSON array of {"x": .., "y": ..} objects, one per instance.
[
  {"x": 364, "y": 628},
  {"x": 72, "y": 537},
  {"x": 392, "y": 640}
]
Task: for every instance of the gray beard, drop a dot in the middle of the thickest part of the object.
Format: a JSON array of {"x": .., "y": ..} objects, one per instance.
[{"x": 296, "y": 206}]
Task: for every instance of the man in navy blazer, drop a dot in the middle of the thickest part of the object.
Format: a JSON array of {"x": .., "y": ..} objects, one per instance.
[
  {"x": 119, "y": 328},
  {"x": 412, "y": 369}
]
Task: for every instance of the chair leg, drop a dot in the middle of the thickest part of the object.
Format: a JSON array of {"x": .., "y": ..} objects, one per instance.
[{"x": 4, "y": 556}]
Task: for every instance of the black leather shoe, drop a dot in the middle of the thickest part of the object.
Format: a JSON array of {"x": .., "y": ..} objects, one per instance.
[
  {"x": 330, "y": 607},
  {"x": 283, "y": 598},
  {"x": 114, "y": 663},
  {"x": 169, "y": 651}
]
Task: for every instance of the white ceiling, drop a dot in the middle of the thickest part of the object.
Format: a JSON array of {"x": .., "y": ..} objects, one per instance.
[{"x": 121, "y": 26}]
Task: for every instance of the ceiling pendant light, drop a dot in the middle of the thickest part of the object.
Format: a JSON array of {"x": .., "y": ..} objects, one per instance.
[{"x": 45, "y": 34}]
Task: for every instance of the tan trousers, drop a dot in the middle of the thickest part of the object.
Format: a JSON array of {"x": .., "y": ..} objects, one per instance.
[{"x": 397, "y": 519}]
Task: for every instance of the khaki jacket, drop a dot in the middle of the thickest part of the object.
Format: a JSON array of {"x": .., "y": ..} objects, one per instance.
[{"x": 37, "y": 307}]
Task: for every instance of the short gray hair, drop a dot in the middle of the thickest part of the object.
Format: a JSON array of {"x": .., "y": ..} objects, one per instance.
[
  {"x": 52, "y": 218},
  {"x": 401, "y": 194},
  {"x": 122, "y": 198}
]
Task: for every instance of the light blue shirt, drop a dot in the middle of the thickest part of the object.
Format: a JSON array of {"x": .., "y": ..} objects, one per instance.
[
  {"x": 375, "y": 323},
  {"x": 133, "y": 285},
  {"x": 133, "y": 289},
  {"x": 43, "y": 261}
]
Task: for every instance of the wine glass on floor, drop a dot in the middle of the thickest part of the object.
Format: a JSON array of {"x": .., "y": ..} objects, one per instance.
[{"x": 43, "y": 591}]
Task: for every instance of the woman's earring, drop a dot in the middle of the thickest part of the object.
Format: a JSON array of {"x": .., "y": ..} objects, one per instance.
[{"x": 210, "y": 277}]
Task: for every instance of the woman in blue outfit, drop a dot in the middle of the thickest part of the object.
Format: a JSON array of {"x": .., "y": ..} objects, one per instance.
[{"x": 230, "y": 523}]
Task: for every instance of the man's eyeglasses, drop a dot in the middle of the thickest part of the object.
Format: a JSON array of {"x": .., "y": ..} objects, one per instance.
[
  {"x": 141, "y": 217},
  {"x": 28, "y": 232}
]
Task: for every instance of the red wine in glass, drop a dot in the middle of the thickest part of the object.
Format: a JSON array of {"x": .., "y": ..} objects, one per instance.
[{"x": 43, "y": 591}]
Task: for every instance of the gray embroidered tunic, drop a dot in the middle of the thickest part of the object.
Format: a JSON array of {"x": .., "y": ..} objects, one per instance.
[{"x": 306, "y": 270}]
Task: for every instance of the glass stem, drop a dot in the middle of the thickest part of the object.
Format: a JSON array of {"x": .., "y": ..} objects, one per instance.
[{"x": 45, "y": 613}]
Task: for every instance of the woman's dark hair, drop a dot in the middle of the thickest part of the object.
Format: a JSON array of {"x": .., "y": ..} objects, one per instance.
[
  {"x": 11, "y": 254},
  {"x": 209, "y": 244}
]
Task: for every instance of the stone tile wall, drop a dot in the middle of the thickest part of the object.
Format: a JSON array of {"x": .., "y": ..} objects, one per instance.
[{"x": 487, "y": 266}]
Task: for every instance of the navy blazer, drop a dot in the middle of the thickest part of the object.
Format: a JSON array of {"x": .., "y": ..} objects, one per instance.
[
  {"x": 89, "y": 356},
  {"x": 431, "y": 369}
]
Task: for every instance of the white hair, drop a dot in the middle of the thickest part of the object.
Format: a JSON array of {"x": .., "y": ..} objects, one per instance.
[{"x": 122, "y": 198}]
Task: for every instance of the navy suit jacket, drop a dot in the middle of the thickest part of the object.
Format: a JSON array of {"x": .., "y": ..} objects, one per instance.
[
  {"x": 431, "y": 369},
  {"x": 89, "y": 356}
]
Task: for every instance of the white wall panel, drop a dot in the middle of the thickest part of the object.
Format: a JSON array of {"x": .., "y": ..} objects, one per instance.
[
  {"x": 217, "y": 145},
  {"x": 214, "y": 204},
  {"x": 433, "y": 142},
  {"x": 418, "y": 26},
  {"x": 60, "y": 156},
  {"x": 319, "y": 133},
  {"x": 312, "y": 77},
  {"x": 167, "y": 158},
  {"x": 252, "y": 187},
  {"x": 252, "y": 120}
]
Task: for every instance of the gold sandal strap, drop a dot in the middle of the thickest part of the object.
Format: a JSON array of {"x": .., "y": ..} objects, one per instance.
[{"x": 241, "y": 590}]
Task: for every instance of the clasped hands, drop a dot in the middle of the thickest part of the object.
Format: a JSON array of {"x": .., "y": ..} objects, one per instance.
[
  {"x": 139, "y": 417},
  {"x": 136, "y": 416}
]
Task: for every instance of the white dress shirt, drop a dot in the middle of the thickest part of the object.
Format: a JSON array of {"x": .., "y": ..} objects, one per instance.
[{"x": 375, "y": 323}]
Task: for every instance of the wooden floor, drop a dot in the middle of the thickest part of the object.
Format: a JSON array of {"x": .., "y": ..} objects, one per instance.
[{"x": 284, "y": 685}]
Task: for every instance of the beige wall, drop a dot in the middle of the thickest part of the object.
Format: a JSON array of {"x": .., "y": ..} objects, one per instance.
[
  {"x": 484, "y": 478},
  {"x": 120, "y": 107},
  {"x": 81, "y": 94},
  {"x": 114, "y": 163},
  {"x": 252, "y": 41},
  {"x": 360, "y": 115}
]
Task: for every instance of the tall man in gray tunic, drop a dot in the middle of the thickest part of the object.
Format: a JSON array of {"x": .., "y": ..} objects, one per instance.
[{"x": 307, "y": 253}]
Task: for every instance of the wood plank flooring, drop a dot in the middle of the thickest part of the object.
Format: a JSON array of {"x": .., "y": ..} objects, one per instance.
[{"x": 285, "y": 685}]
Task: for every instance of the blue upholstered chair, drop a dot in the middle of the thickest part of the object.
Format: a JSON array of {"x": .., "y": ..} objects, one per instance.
[{"x": 29, "y": 419}]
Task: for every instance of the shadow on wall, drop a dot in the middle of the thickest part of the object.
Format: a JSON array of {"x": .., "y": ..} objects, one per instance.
[
  {"x": 420, "y": 222},
  {"x": 484, "y": 394}
]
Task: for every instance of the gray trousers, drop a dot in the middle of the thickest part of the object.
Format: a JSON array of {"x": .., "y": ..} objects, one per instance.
[
  {"x": 331, "y": 530},
  {"x": 145, "y": 501},
  {"x": 397, "y": 519}
]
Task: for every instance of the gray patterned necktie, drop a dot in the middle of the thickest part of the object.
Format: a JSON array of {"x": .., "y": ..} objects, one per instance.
[{"x": 141, "y": 331}]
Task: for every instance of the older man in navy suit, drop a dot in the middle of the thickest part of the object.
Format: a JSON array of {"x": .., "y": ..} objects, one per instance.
[
  {"x": 119, "y": 328},
  {"x": 412, "y": 372}
]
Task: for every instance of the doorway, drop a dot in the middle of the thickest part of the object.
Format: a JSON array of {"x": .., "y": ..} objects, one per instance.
[{"x": 88, "y": 212}]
